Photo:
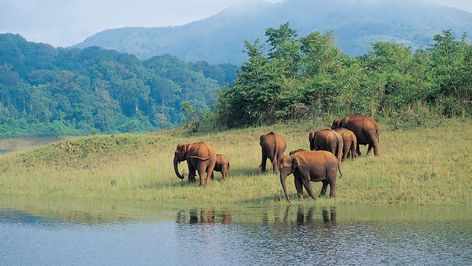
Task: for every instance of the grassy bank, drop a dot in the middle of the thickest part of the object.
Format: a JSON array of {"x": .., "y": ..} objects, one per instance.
[{"x": 428, "y": 166}]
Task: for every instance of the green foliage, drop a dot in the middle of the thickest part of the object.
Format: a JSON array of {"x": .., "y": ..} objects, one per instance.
[
  {"x": 48, "y": 91},
  {"x": 191, "y": 116},
  {"x": 309, "y": 77}
]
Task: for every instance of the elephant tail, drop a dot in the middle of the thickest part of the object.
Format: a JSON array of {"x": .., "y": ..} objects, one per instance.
[
  {"x": 339, "y": 169},
  {"x": 200, "y": 158}
]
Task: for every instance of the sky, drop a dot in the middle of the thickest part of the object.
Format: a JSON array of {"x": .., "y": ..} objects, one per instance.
[{"x": 64, "y": 23}]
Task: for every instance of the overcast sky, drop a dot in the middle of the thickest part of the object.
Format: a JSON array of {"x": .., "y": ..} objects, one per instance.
[{"x": 68, "y": 22}]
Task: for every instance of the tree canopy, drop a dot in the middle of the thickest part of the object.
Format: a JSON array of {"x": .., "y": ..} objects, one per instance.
[
  {"x": 44, "y": 90},
  {"x": 290, "y": 77}
]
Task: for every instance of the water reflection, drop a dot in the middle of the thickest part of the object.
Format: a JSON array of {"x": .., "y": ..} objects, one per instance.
[
  {"x": 304, "y": 216},
  {"x": 299, "y": 234},
  {"x": 204, "y": 216}
]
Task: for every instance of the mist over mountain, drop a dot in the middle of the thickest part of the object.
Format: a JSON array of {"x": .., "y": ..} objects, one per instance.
[{"x": 356, "y": 24}]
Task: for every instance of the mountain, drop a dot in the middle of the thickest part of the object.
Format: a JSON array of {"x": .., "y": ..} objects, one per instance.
[
  {"x": 356, "y": 23},
  {"x": 49, "y": 91}
]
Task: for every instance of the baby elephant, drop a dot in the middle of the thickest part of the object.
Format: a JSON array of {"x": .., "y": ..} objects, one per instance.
[
  {"x": 349, "y": 142},
  {"x": 308, "y": 166},
  {"x": 222, "y": 165}
]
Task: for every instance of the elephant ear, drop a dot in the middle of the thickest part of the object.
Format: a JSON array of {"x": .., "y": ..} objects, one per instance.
[
  {"x": 179, "y": 147},
  {"x": 182, "y": 148},
  {"x": 261, "y": 139},
  {"x": 296, "y": 162}
]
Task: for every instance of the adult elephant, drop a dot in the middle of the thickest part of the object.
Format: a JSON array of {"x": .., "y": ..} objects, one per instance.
[
  {"x": 273, "y": 147},
  {"x": 365, "y": 128},
  {"x": 327, "y": 140},
  {"x": 200, "y": 157},
  {"x": 307, "y": 166},
  {"x": 349, "y": 142}
]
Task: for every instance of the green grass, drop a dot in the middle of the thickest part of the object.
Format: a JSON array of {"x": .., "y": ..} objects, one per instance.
[{"x": 428, "y": 166}]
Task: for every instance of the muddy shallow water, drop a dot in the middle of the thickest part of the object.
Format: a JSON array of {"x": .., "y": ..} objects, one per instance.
[{"x": 237, "y": 236}]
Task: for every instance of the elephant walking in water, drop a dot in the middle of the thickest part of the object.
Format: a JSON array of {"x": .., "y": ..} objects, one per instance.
[
  {"x": 273, "y": 147},
  {"x": 200, "y": 157},
  {"x": 365, "y": 128}
]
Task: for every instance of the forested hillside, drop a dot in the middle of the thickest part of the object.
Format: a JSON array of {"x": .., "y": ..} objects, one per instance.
[
  {"x": 355, "y": 23},
  {"x": 295, "y": 77},
  {"x": 47, "y": 91}
]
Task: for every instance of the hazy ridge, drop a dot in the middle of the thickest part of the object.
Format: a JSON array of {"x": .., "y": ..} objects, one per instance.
[{"x": 356, "y": 23}]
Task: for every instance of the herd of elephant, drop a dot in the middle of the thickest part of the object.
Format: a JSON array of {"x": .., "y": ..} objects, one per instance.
[{"x": 328, "y": 147}]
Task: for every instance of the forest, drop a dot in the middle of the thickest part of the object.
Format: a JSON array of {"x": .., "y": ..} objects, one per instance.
[
  {"x": 59, "y": 91},
  {"x": 69, "y": 91},
  {"x": 290, "y": 77}
]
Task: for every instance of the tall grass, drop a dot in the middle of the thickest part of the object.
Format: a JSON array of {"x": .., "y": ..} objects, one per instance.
[{"x": 429, "y": 166}]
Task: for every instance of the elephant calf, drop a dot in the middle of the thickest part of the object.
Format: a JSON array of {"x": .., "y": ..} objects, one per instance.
[
  {"x": 222, "y": 166},
  {"x": 349, "y": 142},
  {"x": 327, "y": 140},
  {"x": 307, "y": 166}
]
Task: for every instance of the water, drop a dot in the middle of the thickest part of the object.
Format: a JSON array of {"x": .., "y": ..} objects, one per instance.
[
  {"x": 237, "y": 236},
  {"x": 21, "y": 144}
]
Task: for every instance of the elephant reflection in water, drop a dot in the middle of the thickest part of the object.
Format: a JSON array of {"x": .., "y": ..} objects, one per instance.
[
  {"x": 203, "y": 216},
  {"x": 305, "y": 217}
]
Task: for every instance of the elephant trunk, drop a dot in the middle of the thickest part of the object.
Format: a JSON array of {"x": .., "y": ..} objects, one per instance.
[
  {"x": 176, "y": 168},
  {"x": 283, "y": 177}
]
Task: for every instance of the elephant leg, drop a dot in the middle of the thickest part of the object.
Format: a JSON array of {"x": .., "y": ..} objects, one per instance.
[
  {"x": 226, "y": 174},
  {"x": 376, "y": 150},
  {"x": 375, "y": 144},
  {"x": 263, "y": 162},
  {"x": 358, "y": 150},
  {"x": 345, "y": 152},
  {"x": 323, "y": 188},
  {"x": 203, "y": 174},
  {"x": 209, "y": 167},
  {"x": 332, "y": 188},
  {"x": 191, "y": 174},
  {"x": 275, "y": 164},
  {"x": 307, "y": 185},
  {"x": 298, "y": 186},
  {"x": 369, "y": 149}
]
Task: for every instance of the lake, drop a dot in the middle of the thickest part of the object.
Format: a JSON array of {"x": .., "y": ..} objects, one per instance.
[
  {"x": 116, "y": 235},
  {"x": 22, "y": 144}
]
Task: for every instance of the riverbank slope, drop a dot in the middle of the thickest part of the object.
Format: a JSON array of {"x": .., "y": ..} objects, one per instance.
[{"x": 426, "y": 166}]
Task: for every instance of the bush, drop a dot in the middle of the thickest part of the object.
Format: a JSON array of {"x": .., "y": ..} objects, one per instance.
[{"x": 420, "y": 115}]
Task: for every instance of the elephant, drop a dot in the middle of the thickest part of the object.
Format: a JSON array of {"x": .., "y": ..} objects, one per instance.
[
  {"x": 222, "y": 165},
  {"x": 273, "y": 147},
  {"x": 200, "y": 157},
  {"x": 309, "y": 166},
  {"x": 349, "y": 142},
  {"x": 365, "y": 128},
  {"x": 327, "y": 140},
  {"x": 296, "y": 151}
]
